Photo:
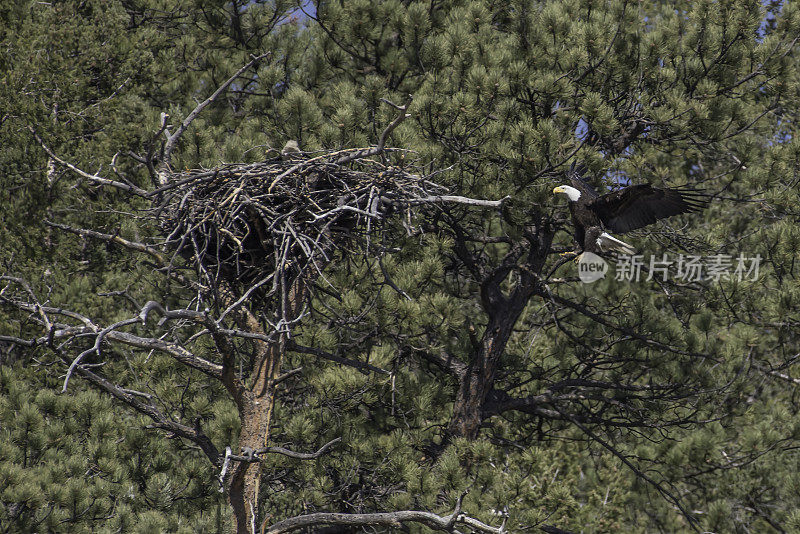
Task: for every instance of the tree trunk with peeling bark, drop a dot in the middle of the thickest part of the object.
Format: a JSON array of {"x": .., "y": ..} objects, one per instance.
[
  {"x": 255, "y": 406},
  {"x": 255, "y": 415}
]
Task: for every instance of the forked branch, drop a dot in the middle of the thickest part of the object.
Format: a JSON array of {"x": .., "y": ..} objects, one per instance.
[
  {"x": 172, "y": 140},
  {"x": 99, "y": 180},
  {"x": 377, "y": 149}
]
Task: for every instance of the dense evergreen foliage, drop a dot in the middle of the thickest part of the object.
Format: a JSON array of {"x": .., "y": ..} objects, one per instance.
[{"x": 620, "y": 406}]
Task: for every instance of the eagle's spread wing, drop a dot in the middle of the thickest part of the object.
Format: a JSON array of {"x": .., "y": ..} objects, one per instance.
[{"x": 639, "y": 205}]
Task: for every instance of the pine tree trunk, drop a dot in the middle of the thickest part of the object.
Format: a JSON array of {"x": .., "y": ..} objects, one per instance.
[
  {"x": 477, "y": 382},
  {"x": 255, "y": 416},
  {"x": 255, "y": 406}
]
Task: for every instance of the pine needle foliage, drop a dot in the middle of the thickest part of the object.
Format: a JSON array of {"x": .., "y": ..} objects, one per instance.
[{"x": 461, "y": 354}]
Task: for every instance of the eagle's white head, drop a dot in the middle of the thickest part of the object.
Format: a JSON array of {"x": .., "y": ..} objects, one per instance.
[{"x": 572, "y": 193}]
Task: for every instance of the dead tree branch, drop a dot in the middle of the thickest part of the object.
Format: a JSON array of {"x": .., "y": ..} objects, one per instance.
[
  {"x": 169, "y": 146},
  {"x": 377, "y": 149},
  {"x": 254, "y": 455},
  {"x": 386, "y": 519},
  {"x": 161, "y": 421},
  {"x": 99, "y": 180},
  {"x": 57, "y": 330},
  {"x": 455, "y": 199}
]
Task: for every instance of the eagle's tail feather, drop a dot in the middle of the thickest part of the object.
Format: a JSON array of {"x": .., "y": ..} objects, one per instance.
[{"x": 608, "y": 242}]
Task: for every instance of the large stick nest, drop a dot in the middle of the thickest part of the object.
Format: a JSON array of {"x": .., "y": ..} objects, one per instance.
[{"x": 249, "y": 224}]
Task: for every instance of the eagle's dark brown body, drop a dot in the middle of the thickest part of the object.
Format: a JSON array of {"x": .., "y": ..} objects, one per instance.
[{"x": 627, "y": 209}]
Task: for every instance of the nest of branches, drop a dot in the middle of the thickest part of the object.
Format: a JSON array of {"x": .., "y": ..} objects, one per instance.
[{"x": 252, "y": 226}]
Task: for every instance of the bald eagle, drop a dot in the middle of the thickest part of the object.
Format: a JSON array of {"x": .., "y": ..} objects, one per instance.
[{"x": 626, "y": 209}]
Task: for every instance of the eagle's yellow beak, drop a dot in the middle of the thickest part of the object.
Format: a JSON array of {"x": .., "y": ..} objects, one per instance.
[{"x": 558, "y": 189}]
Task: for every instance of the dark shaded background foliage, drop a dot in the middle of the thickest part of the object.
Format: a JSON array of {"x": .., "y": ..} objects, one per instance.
[{"x": 506, "y": 96}]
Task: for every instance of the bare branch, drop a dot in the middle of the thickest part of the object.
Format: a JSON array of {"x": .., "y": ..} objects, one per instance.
[
  {"x": 131, "y": 245},
  {"x": 173, "y": 139},
  {"x": 162, "y": 422},
  {"x": 95, "y": 348},
  {"x": 91, "y": 177},
  {"x": 361, "y": 366},
  {"x": 142, "y": 317},
  {"x": 139, "y": 393},
  {"x": 384, "y": 135},
  {"x": 300, "y": 455},
  {"x": 386, "y": 519},
  {"x": 172, "y": 349},
  {"x": 285, "y": 376},
  {"x": 225, "y": 465},
  {"x": 244, "y": 297},
  {"x": 60, "y": 331},
  {"x": 19, "y": 341},
  {"x": 782, "y": 376},
  {"x": 458, "y": 200},
  {"x": 110, "y": 238},
  {"x": 253, "y": 455}
]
